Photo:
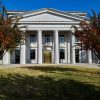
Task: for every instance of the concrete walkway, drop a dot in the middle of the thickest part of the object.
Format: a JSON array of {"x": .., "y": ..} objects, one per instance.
[{"x": 34, "y": 65}]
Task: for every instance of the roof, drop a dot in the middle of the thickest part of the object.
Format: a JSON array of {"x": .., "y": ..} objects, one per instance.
[{"x": 74, "y": 14}]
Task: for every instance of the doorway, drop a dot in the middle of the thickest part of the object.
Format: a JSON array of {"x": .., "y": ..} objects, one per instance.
[{"x": 47, "y": 57}]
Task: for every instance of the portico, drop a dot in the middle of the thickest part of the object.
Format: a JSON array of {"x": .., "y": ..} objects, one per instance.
[{"x": 46, "y": 41}]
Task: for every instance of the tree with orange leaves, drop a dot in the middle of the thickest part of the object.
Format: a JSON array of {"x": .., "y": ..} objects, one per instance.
[
  {"x": 89, "y": 34},
  {"x": 10, "y": 34}
]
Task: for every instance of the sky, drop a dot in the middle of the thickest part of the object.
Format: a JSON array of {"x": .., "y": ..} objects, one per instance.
[{"x": 65, "y": 5}]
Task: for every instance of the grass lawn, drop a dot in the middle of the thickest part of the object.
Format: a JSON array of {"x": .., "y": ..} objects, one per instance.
[{"x": 49, "y": 83}]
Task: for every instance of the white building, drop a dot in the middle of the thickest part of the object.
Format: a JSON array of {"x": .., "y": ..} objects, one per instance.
[{"x": 49, "y": 38}]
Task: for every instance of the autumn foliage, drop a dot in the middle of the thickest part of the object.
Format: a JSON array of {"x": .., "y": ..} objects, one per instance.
[
  {"x": 10, "y": 34},
  {"x": 89, "y": 34}
]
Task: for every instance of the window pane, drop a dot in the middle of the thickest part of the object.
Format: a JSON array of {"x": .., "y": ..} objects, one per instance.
[
  {"x": 32, "y": 38},
  {"x": 32, "y": 54},
  {"x": 62, "y": 38},
  {"x": 62, "y": 54},
  {"x": 47, "y": 38}
]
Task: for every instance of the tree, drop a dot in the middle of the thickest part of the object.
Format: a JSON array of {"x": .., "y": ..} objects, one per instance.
[
  {"x": 89, "y": 33},
  {"x": 10, "y": 34}
]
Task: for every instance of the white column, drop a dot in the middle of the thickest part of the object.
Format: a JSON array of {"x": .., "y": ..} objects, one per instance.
[
  {"x": 73, "y": 49},
  {"x": 68, "y": 48},
  {"x": 28, "y": 60},
  {"x": 56, "y": 47},
  {"x": 89, "y": 56},
  {"x": 39, "y": 47},
  {"x": 23, "y": 53},
  {"x": 6, "y": 58}
]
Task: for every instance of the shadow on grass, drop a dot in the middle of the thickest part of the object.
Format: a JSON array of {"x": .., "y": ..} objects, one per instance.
[
  {"x": 52, "y": 69},
  {"x": 24, "y": 87},
  {"x": 98, "y": 65}
]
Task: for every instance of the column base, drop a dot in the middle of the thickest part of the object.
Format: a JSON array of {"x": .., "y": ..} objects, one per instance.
[{"x": 22, "y": 63}]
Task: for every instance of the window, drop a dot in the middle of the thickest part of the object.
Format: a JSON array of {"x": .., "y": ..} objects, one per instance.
[
  {"x": 32, "y": 54},
  {"x": 32, "y": 38},
  {"x": 47, "y": 38},
  {"x": 17, "y": 56},
  {"x": 1, "y": 54},
  {"x": 62, "y": 54},
  {"x": 77, "y": 55},
  {"x": 62, "y": 38}
]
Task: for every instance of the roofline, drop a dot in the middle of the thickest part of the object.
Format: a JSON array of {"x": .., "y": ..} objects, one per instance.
[
  {"x": 20, "y": 11},
  {"x": 50, "y": 10}
]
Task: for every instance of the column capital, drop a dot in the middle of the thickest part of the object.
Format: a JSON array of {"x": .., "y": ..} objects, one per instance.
[
  {"x": 39, "y": 31},
  {"x": 55, "y": 31}
]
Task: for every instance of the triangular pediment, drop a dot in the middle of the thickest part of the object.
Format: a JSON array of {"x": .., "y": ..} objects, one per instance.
[
  {"x": 49, "y": 15},
  {"x": 46, "y": 17}
]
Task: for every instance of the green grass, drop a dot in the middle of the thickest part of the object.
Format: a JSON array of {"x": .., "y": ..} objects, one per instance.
[{"x": 49, "y": 83}]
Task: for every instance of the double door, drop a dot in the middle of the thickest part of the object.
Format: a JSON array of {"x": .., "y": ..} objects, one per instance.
[{"x": 47, "y": 56}]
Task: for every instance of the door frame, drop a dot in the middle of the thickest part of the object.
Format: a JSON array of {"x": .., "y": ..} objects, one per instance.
[{"x": 48, "y": 51}]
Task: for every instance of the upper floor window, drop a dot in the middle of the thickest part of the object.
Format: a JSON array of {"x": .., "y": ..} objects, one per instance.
[
  {"x": 32, "y": 38},
  {"x": 47, "y": 38},
  {"x": 61, "y": 38}
]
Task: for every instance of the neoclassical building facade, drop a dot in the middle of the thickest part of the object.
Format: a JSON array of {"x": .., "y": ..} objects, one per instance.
[{"x": 49, "y": 38}]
